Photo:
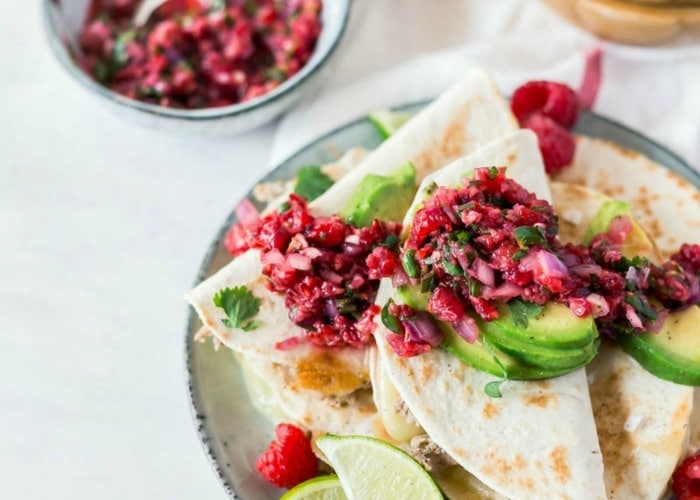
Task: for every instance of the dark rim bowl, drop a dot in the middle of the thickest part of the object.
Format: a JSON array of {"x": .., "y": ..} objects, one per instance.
[
  {"x": 52, "y": 12},
  {"x": 590, "y": 124}
]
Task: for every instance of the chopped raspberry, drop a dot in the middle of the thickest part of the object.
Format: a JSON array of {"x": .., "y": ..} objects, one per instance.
[
  {"x": 289, "y": 460},
  {"x": 685, "y": 481},
  {"x": 557, "y": 145},
  {"x": 555, "y": 100}
]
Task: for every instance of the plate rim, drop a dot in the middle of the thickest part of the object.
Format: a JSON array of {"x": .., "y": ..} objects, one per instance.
[{"x": 683, "y": 169}]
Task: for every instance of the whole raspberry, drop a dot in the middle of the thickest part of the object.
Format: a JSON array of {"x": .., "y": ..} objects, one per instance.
[
  {"x": 557, "y": 145},
  {"x": 685, "y": 481},
  {"x": 289, "y": 460},
  {"x": 555, "y": 100}
]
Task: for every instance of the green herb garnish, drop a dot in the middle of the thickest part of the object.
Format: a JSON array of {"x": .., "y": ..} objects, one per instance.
[
  {"x": 312, "y": 182},
  {"x": 119, "y": 54},
  {"x": 522, "y": 311},
  {"x": 493, "y": 389},
  {"x": 240, "y": 306},
  {"x": 408, "y": 261},
  {"x": 526, "y": 236},
  {"x": 389, "y": 320}
]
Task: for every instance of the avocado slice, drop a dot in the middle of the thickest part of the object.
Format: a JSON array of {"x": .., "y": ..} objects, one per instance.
[
  {"x": 637, "y": 242},
  {"x": 381, "y": 197},
  {"x": 488, "y": 358},
  {"x": 537, "y": 355},
  {"x": 556, "y": 327},
  {"x": 673, "y": 354}
]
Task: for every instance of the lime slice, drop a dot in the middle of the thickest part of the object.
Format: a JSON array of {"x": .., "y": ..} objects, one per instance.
[
  {"x": 388, "y": 122},
  {"x": 370, "y": 468},
  {"x": 318, "y": 488}
]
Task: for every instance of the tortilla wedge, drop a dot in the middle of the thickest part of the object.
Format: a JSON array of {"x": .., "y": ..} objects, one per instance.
[
  {"x": 642, "y": 421},
  {"x": 469, "y": 114},
  {"x": 537, "y": 441}
]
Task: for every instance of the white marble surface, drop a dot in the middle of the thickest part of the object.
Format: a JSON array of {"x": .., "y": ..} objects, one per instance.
[{"x": 102, "y": 227}]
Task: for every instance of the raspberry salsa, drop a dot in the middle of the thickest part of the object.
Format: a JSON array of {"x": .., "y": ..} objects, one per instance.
[{"x": 198, "y": 53}]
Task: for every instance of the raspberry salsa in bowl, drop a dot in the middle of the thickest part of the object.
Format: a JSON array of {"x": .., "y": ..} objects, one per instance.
[
  {"x": 219, "y": 65},
  {"x": 307, "y": 305}
]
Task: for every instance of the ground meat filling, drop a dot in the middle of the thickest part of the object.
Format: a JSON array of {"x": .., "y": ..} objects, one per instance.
[
  {"x": 489, "y": 241},
  {"x": 328, "y": 270}
]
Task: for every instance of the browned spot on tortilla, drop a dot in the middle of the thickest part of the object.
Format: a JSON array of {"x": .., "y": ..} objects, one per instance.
[
  {"x": 542, "y": 384},
  {"x": 527, "y": 484},
  {"x": 511, "y": 159},
  {"x": 611, "y": 412},
  {"x": 540, "y": 399},
  {"x": 520, "y": 462},
  {"x": 322, "y": 371},
  {"x": 560, "y": 464},
  {"x": 633, "y": 155},
  {"x": 490, "y": 410},
  {"x": 427, "y": 371},
  {"x": 448, "y": 147}
]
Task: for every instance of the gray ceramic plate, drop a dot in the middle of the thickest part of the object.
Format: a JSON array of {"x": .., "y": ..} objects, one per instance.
[{"x": 232, "y": 432}]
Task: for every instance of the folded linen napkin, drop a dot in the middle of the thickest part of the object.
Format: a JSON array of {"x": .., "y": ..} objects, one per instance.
[{"x": 653, "y": 90}]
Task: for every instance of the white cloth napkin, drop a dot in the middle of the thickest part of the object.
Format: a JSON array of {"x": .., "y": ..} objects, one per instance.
[{"x": 653, "y": 90}]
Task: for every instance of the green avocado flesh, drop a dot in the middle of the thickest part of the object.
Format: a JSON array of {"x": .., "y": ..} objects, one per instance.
[
  {"x": 672, "y": 354},
  {"x": 637, "y": 242},
  {"x": 537, "y": 355},
  {"x": 381, "y": 197},
  {"x": 555, "y": 328},
  {"x": 520, "y": 356},
  {"x": 482, "y": 356}
]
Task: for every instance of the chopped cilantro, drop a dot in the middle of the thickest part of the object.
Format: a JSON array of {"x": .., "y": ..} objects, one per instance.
[
  {"x": 389, "y": 320},
  {"x": 119, "y": 54},
  {"x": 641, "y": 306},
  {"x": 492, "y": 173},
  {"x": 408, "y": 261},
  {"x": 493, "y": 388},
  {"x": 522, "y": 311},
  {"x": 527, "y": 236},
  {"x": 312, "y": 182},
  {"x": 451, "y": 268},
  {"x": 275, "y": 74},
  {"x": 240, "y": 306}
]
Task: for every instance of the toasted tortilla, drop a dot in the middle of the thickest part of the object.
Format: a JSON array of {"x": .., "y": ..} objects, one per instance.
[
  {"x": 470, "y": 114},
  {"x": 539, "y": 440},
  {"x": 642, "y": 420}
]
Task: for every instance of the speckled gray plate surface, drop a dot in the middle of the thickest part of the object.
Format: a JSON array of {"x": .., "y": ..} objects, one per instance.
[{"x": 232, "y": 432}]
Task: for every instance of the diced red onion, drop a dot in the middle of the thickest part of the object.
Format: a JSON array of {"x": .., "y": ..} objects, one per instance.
[
  {"x": 399, "y": 278},
  {"x": 466, "y": 328},
  {"x": 273, "y": 257},
  {"x": 632, "y": 275},
  {"x": 422, "y": 328},
  {"x": 247, "y": 213},
  {"x": 550, "y": 265},
  {"x": 620, "y": 228},
  {"x": 504, "y": 291},
  {"x": 599, "y": 306},
  {"x": 656, "y": 325},
  {"x": 462, "y": 258},
  {"x": 331, "y": 309},
  {"x": 449, "y": 211},
  {"x": 331, "y": 276},
  {"x": 353, "y": 239},
  {"x": 312, "y": 252},
  {"x": 586, "y": 270},
  {"x": 644, "y": 278},
  {"x": 483, "y": 272},
  {"x": 633, "y": 317},
  {"x": 356, "y": 282},
  {"x": 351, "y": 249},
  {"x": 298, "y": 261}
]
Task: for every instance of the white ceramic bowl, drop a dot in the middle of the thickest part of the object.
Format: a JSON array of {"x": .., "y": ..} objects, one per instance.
[{"x": 64, "y": 19}]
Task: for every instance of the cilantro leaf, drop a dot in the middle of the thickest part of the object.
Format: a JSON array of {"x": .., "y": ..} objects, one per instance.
[
  {"x": 312, "y": 182},
  {"x": 493, "y": 389},
  {"x": 240, "y": 306},
  {"x": 119, "y": 54},
  {"x": 521, "y": 311}
]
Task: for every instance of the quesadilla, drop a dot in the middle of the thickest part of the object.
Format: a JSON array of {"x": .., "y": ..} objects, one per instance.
[
  {"x": 642, "y": 420},
  {"x": 470, "y": 114}
]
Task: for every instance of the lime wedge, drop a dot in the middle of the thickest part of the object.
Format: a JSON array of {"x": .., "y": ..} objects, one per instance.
[
  {"x": 318, "y": 488},
  {"x": 388, "y": 122},
  {"x": 370, "y": 468}
]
